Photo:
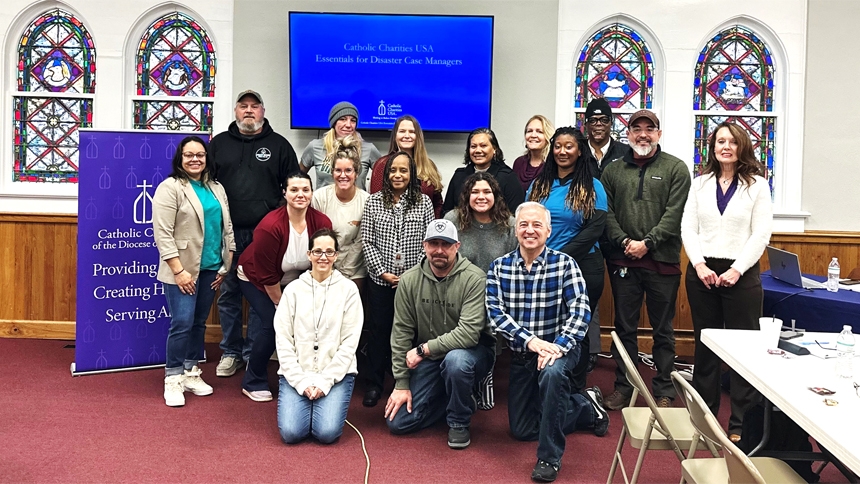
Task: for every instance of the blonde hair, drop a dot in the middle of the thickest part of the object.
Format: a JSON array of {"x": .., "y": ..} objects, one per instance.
[
  {"x": 348, "y": 148},
  {"x": 547, "y": 127},
  {"x": 331, "y": 143},
  {"x": 427, "y": 170}
]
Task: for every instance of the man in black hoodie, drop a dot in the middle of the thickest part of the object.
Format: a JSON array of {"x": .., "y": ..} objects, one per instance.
[{"x": 252, "y": 162}]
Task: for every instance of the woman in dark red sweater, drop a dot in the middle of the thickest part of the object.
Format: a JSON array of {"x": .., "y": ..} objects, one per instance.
[{"x": 277, "y": 256}]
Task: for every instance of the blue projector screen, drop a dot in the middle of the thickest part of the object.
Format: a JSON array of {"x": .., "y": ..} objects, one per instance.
[{"x": 436, "y": 68}]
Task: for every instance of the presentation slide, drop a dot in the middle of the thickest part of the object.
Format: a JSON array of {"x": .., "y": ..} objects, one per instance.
[{"x": 436, "y": 68}]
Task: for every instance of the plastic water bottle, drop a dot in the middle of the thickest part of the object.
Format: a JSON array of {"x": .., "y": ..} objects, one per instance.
[
  {"x": 845, "y": 353},
  {"x": 833, "y": 275}
]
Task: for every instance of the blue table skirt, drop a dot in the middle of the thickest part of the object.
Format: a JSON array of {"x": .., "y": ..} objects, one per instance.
[{"x": 812, "y": 310}]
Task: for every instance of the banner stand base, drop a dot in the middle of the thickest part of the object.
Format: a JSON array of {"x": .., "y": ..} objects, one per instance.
[{"x": 115, "y": 370}]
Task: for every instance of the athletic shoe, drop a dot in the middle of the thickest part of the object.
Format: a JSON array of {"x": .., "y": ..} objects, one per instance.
[
  {"x": 228, "y": 366},
  {"x": 258, "y": 395},
  {"x": 664, "y": 402},
  {"x": 459, "y": 438},
  {"x": 592, "y": 363},
  {"x": 194, "y": 384},
  {"x": 486, "y": 396},
  {"x": 544, "y": 471},
  {"x": 601, "y": 416},
  {"x": 616, "y": 400},
  {"x": 173, "y": 395}
]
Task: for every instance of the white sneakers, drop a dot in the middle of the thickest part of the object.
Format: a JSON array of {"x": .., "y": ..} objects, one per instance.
[
  {"x": 190, "y": 381},
  {"x": 258, "y": 395},
  {"x": 194, "y": 384},
  {"x": 173, "y": 395}
]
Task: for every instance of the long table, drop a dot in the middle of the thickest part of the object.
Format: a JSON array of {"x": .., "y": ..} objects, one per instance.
[
  {"x": 785, "y": 383},
  {"x": 813, "y": 310}
]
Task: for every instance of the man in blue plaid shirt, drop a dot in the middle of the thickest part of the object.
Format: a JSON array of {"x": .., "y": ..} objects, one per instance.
[{"x": 536, "y": 299}]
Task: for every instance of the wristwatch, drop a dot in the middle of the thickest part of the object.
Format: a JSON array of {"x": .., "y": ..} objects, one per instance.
[{"x": 420, "y": 350}]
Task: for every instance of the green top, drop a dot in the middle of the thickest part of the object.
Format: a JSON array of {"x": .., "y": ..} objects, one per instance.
[
  {"x": 212, "y": 227},
  {"x": 646, "y": 202}
]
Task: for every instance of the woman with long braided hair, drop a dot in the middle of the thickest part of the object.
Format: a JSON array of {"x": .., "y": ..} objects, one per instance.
[{"x": 576, "y": 200}]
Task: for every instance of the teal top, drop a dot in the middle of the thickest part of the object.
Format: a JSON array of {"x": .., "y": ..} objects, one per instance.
[{"x": 212, "y": 227}]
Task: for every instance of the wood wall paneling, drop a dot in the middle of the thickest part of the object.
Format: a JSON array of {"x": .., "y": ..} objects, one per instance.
[{"x": 37, "y": 299}]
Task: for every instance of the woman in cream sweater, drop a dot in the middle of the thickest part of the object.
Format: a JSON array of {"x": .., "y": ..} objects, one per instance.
[
  {"x": 725, "y": 229},
  {"x": 317, "y": 327}
]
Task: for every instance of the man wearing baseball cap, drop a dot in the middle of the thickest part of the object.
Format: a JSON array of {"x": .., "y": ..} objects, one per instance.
[
  {"x": 598, "y": 127},
  {"x": 440, "y": 342},
  {"x": 252, "y": 161},
  {"x": 646, "y": 191}
]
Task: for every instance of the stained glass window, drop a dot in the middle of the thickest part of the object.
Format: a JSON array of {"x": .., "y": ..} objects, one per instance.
[
  {"x": 55, "y": 86},
  {"x": 616, "y": 64},
  {"x": 734, "y": 81},
  {"x": 175, "y": 69}
]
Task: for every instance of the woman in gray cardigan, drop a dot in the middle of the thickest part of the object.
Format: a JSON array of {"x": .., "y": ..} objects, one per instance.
[{"x": 194, "y": 236}]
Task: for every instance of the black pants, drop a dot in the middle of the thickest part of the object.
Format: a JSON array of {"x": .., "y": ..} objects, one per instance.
[
  {"x": 628, "y": 293},
  {"x": 381, "y": 302},
  {"x": 592, "y": 271},
  {"x": 736, "y": 307}
]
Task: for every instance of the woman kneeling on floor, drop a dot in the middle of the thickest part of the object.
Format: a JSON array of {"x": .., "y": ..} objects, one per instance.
[{"x": 317, "y": 327}]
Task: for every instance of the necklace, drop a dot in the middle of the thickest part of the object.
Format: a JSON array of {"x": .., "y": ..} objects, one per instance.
[
  {"x": 726, "y": 181},
  {"x": 322, "y": 311}
]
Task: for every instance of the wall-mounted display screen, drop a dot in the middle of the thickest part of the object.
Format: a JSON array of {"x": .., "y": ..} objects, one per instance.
[{"x": 436, "y": 68}]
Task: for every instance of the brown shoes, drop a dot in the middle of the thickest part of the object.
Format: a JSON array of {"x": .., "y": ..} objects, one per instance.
[
  {"x": 664, "y": 402},
  {"x": 616, "y": 400}
]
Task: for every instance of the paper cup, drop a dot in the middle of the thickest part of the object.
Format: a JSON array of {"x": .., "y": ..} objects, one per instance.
[{"x": 770, "y": 329}]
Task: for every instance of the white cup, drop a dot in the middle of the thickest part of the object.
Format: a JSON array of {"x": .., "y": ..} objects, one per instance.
[{"x": 770, "y": 329}]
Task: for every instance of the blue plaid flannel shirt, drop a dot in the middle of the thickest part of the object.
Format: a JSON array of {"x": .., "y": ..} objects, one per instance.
[{"x": 549, "y": 301}]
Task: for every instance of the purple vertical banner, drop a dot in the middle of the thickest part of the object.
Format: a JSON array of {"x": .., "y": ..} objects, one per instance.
[{"x": 122, "y": 313}]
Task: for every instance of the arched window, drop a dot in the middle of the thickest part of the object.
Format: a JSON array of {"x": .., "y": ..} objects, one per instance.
[
  {"x": 616, "y": 64},
  {"x": 175, "y": 76},
  {"x": 734, "y": 80},
  {"x": 56, "y": 80}
]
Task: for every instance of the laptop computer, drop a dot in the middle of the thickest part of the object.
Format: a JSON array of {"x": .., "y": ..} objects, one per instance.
[{"x": 785, "y": 266}]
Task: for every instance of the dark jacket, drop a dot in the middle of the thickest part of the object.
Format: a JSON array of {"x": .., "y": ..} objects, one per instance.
[
  {"x": 253, "y": 170},
  {"x": 508, "y": 181},
  {"x": 647, "y": 203},
  {"x": 616, "y": 151}
]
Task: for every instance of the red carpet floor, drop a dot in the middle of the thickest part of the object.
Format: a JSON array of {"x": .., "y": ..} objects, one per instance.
[{"x": 116, "y": 428}]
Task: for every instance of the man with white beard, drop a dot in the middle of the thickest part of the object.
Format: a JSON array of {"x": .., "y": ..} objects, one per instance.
[
  {"x": 252, "y": 162},
  {"x": 646, "y": 192}
]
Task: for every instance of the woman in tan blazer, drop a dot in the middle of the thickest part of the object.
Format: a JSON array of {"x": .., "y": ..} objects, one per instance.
[{"x": 194, "y": 236}]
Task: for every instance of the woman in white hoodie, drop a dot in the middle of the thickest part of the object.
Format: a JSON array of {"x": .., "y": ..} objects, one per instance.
[{"x": 317, "y": 326}]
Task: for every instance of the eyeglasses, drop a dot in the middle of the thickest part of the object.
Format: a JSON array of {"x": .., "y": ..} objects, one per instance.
[
  {"x": 649, "y": 130},
  {"x": 191, "y": 156},
  {"x": 598, "y": 120},
  {"x": 319, "y": 253}
]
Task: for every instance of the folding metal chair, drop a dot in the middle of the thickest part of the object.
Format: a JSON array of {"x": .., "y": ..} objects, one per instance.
[
  {"x": 649, "y": 428},
  {"x": 736, "y": 467}
]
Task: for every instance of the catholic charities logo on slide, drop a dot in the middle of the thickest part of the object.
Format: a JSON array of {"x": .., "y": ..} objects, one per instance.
[{"x": 263, "y": 154}]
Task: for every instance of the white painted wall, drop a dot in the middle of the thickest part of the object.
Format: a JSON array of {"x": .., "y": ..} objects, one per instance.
[{"x": 115, "y": 28}]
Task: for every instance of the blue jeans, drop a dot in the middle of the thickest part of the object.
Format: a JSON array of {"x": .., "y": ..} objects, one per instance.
[
  {"x": 323, "y": 418},
  {"x": 444, "y": 388},
  {"x": 257, "y": 375},
  {"x": 542, "y": 406},
  {"x": 230, "y": 306},
  {"x": 188, "y": 323}
]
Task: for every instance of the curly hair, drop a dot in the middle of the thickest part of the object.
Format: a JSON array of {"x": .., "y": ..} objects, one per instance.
[
  {"x": 747, "y": 167},
  {"x": 580, "y": 193},
  {"x": 412, "y": 196},
  {"x": 348, "y": 148},
  {"x": 499, "y": 212},
  {"x": 498, "y": 156}
]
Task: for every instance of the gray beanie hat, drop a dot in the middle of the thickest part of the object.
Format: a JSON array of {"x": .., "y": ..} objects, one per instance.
[{"x": 341, "y": 109}]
